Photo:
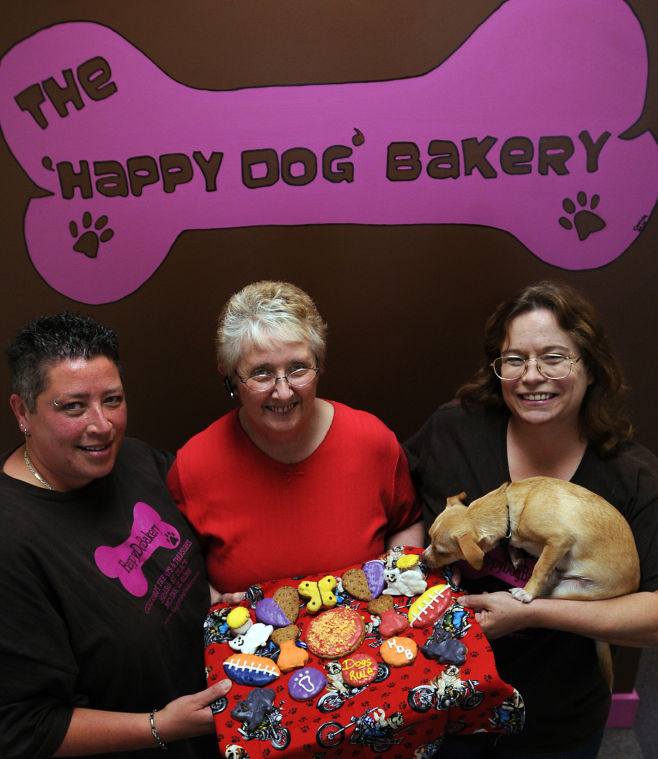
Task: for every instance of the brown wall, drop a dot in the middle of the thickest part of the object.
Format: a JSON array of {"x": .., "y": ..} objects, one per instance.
[{"x": 405, "y": 305}]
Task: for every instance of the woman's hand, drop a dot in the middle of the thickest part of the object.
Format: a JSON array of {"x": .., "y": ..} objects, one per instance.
[
  {"x": 95, "y": 731},
  {"x": 190, "y": 716},
  {"x": 497, "y": 613},
  {"x": 224, "y": 598}
]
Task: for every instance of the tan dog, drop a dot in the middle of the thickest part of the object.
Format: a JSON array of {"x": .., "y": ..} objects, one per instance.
[{"x": 585, "y": 547}]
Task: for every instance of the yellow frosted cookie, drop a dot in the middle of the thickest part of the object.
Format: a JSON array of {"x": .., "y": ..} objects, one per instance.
[
  {"x": 319, "y": 593},
  {"x": 408, "y": 561},
  {"x": 237, "y": 618}
]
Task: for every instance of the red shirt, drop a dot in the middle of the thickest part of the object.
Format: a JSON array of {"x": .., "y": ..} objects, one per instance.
[{"x": 259, "y": 519}]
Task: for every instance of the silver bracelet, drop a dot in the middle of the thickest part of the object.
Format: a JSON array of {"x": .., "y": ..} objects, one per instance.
[{"x": 156, "y": 735}]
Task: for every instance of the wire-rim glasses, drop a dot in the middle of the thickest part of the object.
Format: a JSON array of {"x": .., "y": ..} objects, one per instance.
[
  {"x": 264, "y": 381},
  {"x": 550, "y": 365}
]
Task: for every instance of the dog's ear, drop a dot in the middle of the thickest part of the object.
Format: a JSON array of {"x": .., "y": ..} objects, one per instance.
[
  {"x": 473, "y": 554},
  {"x": 455, "y": 500}
]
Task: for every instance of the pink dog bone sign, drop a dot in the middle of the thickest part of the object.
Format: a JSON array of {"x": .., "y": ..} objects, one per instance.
[
  {"x": 521, "y": 129},
  {"x": 125, "y": 561}
]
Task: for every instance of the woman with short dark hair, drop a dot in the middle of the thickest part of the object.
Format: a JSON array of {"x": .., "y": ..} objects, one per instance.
[{"x": 102, "y": 590}]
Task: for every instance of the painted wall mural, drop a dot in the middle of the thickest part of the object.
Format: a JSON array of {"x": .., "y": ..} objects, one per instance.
[{"x": 521, "y": 129}]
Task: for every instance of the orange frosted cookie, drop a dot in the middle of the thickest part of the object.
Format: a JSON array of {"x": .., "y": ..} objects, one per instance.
[
  {"x": 335, "y": 633},
  {"x": 399, "y": 651}
]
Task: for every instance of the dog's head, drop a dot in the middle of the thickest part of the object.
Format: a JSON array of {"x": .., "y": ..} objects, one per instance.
[
  {"x": 451, "y": 537},
  {"x": 461, "y": 532},
  {"x": 334, "y": 668},
  {"x": 234, "y": 751}
]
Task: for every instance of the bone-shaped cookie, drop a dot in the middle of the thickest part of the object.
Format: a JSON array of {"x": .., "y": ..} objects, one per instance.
[
  {"x": 126, "y": 560},
  {"x": 520, "y": 129},
  {"x": 320, "y": 594}
]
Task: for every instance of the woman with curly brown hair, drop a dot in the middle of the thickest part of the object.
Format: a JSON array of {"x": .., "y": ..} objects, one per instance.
[{"x": 547, "y": 400}]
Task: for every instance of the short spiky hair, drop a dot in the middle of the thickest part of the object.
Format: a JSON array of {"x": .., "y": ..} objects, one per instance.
[
  {"x": 49, "y": 339},
  {"x": 265, "y": 310}
]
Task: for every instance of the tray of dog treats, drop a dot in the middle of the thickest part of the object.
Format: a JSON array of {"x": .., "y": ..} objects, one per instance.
[{"x": 377, "y": 656}]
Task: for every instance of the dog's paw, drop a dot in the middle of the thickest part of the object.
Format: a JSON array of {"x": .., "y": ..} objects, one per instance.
[{"x": 521, "y": 595}]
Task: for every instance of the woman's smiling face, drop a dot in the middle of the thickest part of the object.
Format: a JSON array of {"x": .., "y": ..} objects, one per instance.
[
  {"x": 78, "y": 423},
  {"x": 533, "y": 398},
  {"x": 282, "y": 413}
]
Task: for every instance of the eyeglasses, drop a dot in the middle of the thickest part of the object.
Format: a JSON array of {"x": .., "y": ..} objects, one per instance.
[
  {"x": 550, "y": 365},
  {"x": 262, "y": 382}
]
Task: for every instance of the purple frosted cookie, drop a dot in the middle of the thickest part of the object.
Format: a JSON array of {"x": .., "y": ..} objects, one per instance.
[
  {"x": 248, "y": 669},
  {"x": 269, "y": 612},
  {"x": 374, "y": 571},
  {"x": 306, "y": 683},
  {"x": 253, "y": 709}
]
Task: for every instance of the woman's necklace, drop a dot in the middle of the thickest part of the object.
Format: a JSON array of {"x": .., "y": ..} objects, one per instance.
[{"x": 31, "y": 469}]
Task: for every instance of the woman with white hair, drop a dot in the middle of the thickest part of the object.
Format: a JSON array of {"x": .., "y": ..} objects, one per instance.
[{"x": 288, "y": 484}]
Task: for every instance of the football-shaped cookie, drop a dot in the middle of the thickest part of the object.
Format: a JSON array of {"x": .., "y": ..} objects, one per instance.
[
  {"x": 248, "y": 669},
  {"x": 428, "y": 607}
]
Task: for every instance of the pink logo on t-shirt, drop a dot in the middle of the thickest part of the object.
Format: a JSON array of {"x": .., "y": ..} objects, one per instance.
[
  {"x": 498, "y": 563},
  {"x": 126, "y": 560}
]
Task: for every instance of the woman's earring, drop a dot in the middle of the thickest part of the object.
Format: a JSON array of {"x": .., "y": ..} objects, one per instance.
[
  {"x": 25, "y": 431},
  {"x": 230, "y": 389}
]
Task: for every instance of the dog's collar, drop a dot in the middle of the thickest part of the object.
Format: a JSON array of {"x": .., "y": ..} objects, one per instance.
[
  {"x": 509, "y": 518},
  {"x": 509, "y": 525}
]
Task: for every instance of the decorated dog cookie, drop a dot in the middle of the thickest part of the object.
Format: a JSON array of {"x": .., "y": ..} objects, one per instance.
[
  {"x": 238, "y": 620},
  {"x": 306, "y": 683},
  {"x": 408, "y": 561},
  {"x": 255, "y": 637},
  {"x": 425, "y": 610},
  {"x": 320, "y": 594},
  {"x": 259, "y": 702},
  {"x": 279, "y": 636},
  {"x": 399, "y": 651},
  {"x": 379, "y": 605},
  {"x": 374, "y": 572},
  {"x": 408, "y": 583},
  {"x": 287, "y": 598},
  {"x": 359, "y": 670},
  {"x": 269, "y": 612},
  {"x": 291, "y": 656},
  {"x": 392, "y": 624},
  {"x": 335, "y": 633},
  {"x": 446, "y": 650},
  {"x": 355, "y": 582},
  {"x": 247, "y": 669}
]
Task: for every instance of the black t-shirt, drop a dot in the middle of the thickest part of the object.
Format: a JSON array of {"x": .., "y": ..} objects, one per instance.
[
  {"x": 103, "y": 596},
  {"x": 557, "y": 673}
]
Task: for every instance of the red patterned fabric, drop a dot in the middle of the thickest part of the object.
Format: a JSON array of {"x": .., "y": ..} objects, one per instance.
[{"x": 402, "y": 713}]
